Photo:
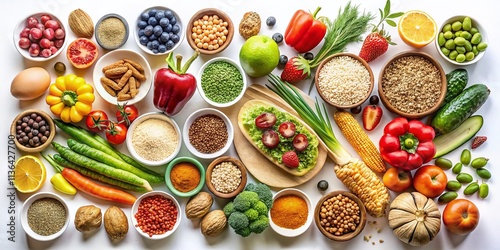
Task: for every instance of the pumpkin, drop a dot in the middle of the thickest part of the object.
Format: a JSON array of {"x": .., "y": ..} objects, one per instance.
[{"x": 414, "y": 218}]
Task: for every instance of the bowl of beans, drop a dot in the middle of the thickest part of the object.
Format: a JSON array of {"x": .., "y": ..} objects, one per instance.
[
  {"x": 340, "y": 215},
  {"x": 461, "y": 40},
  {"x": 33, "y": 130},
  {"x": 344, "y": 80},
  {"x": 226, "y": 177},
  {"x": 156, "y": 215},
  {"x": 210, "y": 31},
  {"x": 158, "y": 30},
  {"x": 185, "y": 176},
  {"x": 208, "y": 133},
  {"x": 291, "y": 213},
  {"x": 45, "y": 216},
  {"x": 221, "y": 82},
  {"x": 412, "y": 84}
]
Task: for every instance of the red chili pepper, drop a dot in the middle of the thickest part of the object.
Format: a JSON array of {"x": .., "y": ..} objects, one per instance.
[
  {"x": 407, "y": 144},
  {"x": 304, "y": 31},
  {"x": 173, "y": 87}
]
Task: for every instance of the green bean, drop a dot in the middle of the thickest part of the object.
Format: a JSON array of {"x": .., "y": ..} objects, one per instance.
[
  {"x": 448, "y": 35},
  {"x": 482, "y": 46},
  {"x": 460, "y": 58},
  {"x": 441, "y": 39},
  {"x": 483, "y": 190},
  {"x": 469, "y": 56},
  {"x": 459, "y": 41},
  {"x": 443, "y": 163},
  {"x": 479, "y": 162},
  {"x": 447, "y": 197},
  {"x": 483, "y": 173},
  {"x": 467, "y": 23},
  {"x": 465, "y": 157},
  {"x": 457, "y": 168},
  {"x": 471, "y": 188},
  {"x": 476, "y": 38},
  {"x": 453, "y": 185},
  {"x": 456, "y": 26},
  {"x": 464, "y": 178}
]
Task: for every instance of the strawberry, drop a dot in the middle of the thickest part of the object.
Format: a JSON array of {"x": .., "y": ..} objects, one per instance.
[
  {"x": 296, "y": 69},
  {"x": 287, "y": 129},
  {"x": 372, "y": 114},
  {"x": 290, "y": 159},
  {"x": 478, "y": 141}
]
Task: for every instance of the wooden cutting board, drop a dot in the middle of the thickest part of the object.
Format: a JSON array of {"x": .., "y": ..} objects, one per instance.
[{"x": 256, "y": 163}]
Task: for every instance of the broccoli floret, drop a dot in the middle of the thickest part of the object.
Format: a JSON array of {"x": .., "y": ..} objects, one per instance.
[
  {"x": 244, "y": 232},
  {"x": 245, "y": 200},
  {"x": 251, "y": 214},
  {"x": 263, "y": 191},
  {"x": 237, "y": 220},
  {"x": 258, "y": 226},
  {"x": 261, "y": 208},
  {"x": 228, "y": 209}
]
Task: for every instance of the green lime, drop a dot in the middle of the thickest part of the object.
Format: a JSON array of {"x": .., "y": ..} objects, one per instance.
[{"x": 259, "y": 55}]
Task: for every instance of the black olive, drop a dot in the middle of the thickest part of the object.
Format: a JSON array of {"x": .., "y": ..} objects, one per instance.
[
  {"x": 356, "y": 110},
  {"x": 323, "y": 185},
  {"x": 374, "y": 100}
]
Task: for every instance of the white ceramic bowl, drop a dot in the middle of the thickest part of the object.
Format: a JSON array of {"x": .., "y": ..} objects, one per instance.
[
  {"x": 24, "y": 216},
  {"x": 144, "y": 47},
  {"x": 112, "y": 57},
  {"x": 135, "y": 208},
  {"x": 142, "y": 118},
  {"x": 202, "y": 92},
  {"x": 192, "y": 118},
  {"x": 293, "y": 232},
  {"x": 476, "y": 24},
  {"x": 24, "y": 52}
]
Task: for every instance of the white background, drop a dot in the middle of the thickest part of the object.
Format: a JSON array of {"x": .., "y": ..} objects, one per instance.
[{"x": 188, "y": 235}]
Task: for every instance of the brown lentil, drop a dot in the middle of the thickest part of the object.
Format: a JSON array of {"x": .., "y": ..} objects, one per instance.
[
  {"x": 32, "y": 130},
  {"x": 340, "y": 215},
  {"x": 209, "y": 32},
  {"x": 226, "y": 177},
  {"x": 156, "y": 215},
  {"x": 111, "y": 32},
  {"x": 412, "y": 84},
  {"x": 46, "y": 216},
  {"x": 208, "y": 134}
]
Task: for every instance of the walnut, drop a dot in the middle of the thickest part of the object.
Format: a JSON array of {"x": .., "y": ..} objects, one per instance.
[
  {"x": 115, "y": 223},
  {"x": 213, "y": 223},
  {"x": 199, "y": 205},
  {"x": 88, "y": 219},
  {"x": 250, "y": 24}
]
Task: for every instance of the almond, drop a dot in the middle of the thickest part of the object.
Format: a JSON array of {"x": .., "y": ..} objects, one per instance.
[{"x": 81, "y": 24}]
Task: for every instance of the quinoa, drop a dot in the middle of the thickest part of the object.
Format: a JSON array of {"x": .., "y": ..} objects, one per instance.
[
  {"x": 344, "y": 81},
  {"x": 412, "y": 84}
]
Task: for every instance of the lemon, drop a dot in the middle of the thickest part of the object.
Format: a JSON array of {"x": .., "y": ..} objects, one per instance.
[
  {"x": 259, "y": 55},
  {"x": 417, "y": 29},
  {"x": 29, "y": 174}
]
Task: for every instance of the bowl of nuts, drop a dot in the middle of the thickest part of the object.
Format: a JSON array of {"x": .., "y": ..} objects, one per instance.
[
  {"x": 33, "y": 130},
  {"x": 340, "y": 204},
  {"x": 210, "y": 31},
  {"x": 291, "y": 213},
  {"x": 412, "y": 84},
  {"x": 226, "y": 177}
]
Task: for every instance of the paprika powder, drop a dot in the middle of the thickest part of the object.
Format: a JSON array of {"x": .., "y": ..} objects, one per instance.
[
  {"x": 185, "y": 176},
  {"x": 289, "y": 211}
]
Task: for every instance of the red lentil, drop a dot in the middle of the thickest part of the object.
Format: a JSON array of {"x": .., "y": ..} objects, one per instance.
[
  {"x": 156, "y": 215},
  {"x": 208, "y": 134}
]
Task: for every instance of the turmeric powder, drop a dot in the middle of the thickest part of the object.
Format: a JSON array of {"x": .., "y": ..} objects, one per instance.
[
  {"x": 289, "y": 211},
  {"x": 185, "y": 176}
]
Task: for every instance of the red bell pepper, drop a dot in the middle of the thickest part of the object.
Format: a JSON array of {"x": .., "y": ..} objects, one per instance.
[
  {"x": 304, "y": 31},
  {"x": 173, "y": 87},
  {"x": 407, "y": 144}
]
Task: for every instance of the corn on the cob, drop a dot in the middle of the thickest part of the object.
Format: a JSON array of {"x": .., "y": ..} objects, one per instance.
[
  {"x": 358, "y": 138},
  {"x": 363, "y": 182}
]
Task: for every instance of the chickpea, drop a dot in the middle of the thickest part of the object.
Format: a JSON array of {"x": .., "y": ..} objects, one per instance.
[
  {"x": 210, "y": 31},
  {"x": 339, "y": 215}
]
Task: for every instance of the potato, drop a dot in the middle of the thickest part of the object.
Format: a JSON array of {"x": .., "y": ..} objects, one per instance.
[
  {"x": 115, "y": 223},
  {"x": 88, "y": 219}
]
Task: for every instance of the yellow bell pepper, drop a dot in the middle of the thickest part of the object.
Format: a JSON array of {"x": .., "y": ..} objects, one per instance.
[{"x": 70, "y": 98}]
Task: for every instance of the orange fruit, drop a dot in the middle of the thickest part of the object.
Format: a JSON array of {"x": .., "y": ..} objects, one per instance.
[
  {"x": 417, "y": 29},
  {"x": 82, "y": 53},
  {"x": 29, "y": 174}
]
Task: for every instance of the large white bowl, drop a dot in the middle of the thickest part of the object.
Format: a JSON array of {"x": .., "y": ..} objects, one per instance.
[
  {"x": 112, "y": 57},
  {"x": 24, "y": 216},
  {"x": 293, "y": 232}
]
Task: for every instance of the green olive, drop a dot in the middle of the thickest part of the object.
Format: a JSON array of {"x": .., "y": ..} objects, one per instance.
[
  {"x": 473, "y": 30},
  {"x": 471, "y": 188},
  {"x": 476, "y": 38},
  {"x": 479, "y": 162},
  {"x": 448, "y": 35},
  {"x": 447, "y": 197},
  {"x": 464, "y": 178},
  {"x": 469, "y": 56},
  {"x": 465, "y": 157},
  {"x": 60, "y": 68},
  {"x": 483, "y": 190},
  {"x": 457, "y": 168},
  {"x": 447, "y": 27},
  {"x": 467, "y": 23},
  {"x": 453, "y": 185},
  {"x": 443, "y": 162},
  {"x": 460, "y": 49},
  {"x": 483, "y": 173},
  {"x": 450, "y": 44},
  {"x": 453, "y": 54},
  {"x": 482, "y": 46},
  {"x": 441, "y": 39},
  {"x": 460, "y": 58},
  {"x": 456, "y": 26}
]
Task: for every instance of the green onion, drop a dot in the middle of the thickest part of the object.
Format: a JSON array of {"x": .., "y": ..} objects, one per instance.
[{"x": 318, "y": 120}]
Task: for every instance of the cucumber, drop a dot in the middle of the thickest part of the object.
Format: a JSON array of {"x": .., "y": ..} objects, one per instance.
[
  {"x": 446, "y": 143},
  {"x": 456, "y": 81},
  {"x": 454, "y": 113}
]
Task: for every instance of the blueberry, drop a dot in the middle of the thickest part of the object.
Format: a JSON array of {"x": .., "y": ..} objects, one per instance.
[
  {"x": 149, "y": 45},
  {"x": 175, "y": 38},
  {"x": 278, "y": 38},
  {"x": 283, "y": 60},
  {"x": 142, "y": 24},
  {"x": 152, "y": 21},
  {"x": 148, "y": 30},
  {"x": 162, "y": 48},
  {"x": 153, "y": 37},
  {"x": 169, "y": 28},
  {"x": 155, "y": 44},
  {"x": 144, "y": 16},
  {"x": 170, "y": 45},
  {"x": 160, "y": 14},
  {"x": 141, "y": 32},
  {"x": 169, "y": 14},
  {"x": 164, "y": 22},
  {"x": 271, "y": 21},
  {"x": 143, "y": 40},
  {"x": 176, "y": 28},
  {"x": 157, "y": 30},
  {"x": 155, "y": 51},
  {"x": 164, "y": 37},
  {"x": 152, "y": 12},
  {"x": 308, "y": 56},
  {"x": 173, "y": 20}
]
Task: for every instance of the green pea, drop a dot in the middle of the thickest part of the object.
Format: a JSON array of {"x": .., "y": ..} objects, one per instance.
[
  {"x": 453, "y": 54},
  {"x": 469, "y": 56},
  {"x": 483, "y": 190},
  {"x": 476, "y": 38},
  {"x": 459, "y": 41},
  {"x": 465, "y": 157},
  {"x": 468, "y": 46},
  {"x": 473, "y": 30},
  {"x": 467, "y": 23},
  {"x": 482, "y": 46},
  {"x": 453, "y": 185},
  {"x": 466, "y": 35},
  {"x": 464, "y": 178},
  {"x": 479, "y": 162},
  {"x": 483, "y": 173},
  {"x": 448, "y": 35},
  {"x": 458, "y": 33},
  {"x": 457, "y": 168},
  {"x": 447, "y": 27},
  {"x": 450, "y": 44},
  {"x": 445, "y": 51},
  {"x": 471, "y": 188},
  {"x": 456, "y": 26},
  {"x": 441, "y": 39},
  {"x": 460, "y": 58},
  {"x": 443, "y": 163},
  {"x": 474, "y": 50},
  {"x": 447, "y": 197},
  {"x": 460, "y": 49}
]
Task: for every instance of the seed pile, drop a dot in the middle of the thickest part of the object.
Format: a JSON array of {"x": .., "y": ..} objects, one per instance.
[
  {"x": 209, "y": 32},
  {"x": 226, "y": 177},
  {"x": 222, "y": 82},
  {"x": 46, "y": 216},
  {"x": 32, "y": 130},
  {"x": 156, "y": 215},
  {"x": 340, "y": 215},
  {"x": 111, "y": 32},
  {"x": 208, "y": 134},
  {"x": 154, "y": 139}
]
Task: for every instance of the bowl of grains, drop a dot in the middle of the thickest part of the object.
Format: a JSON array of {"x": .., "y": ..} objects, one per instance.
[
  {"x": 341, "y": 204},
  {"x": 111, "y": 31},
  {"x": 154, "y": 139},
  {"x": 291, "y": 213},
  {"x": 208, "y": 133},
  {"x": 221, "y": 82},
  {"x": 210, "y": 31},
  {"x": 33, "y": 129},
  {"x": 412, "y": 85},
  {"x": 156, "y": 215},
  {"x": 185, "y": 176},
  {"x": 226, "y": 177},
  {"x": 44, "y": 216},
  {"x": 344, "y": 80}
]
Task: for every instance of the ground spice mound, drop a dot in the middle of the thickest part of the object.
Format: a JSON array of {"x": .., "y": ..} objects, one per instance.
[
  {"x": 154, "y": 139},
  {"x": 289, "y": 211},
  {"x": 46, "y": 216}
]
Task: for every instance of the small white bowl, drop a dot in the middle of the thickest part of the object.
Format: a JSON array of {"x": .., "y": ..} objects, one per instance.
[
  {"x": 139, "y": 120},
  {"x": 192, "y": 118},
  {"x": 144, "y": 47},
  {"x": 112, "y": 57},
  {"x": 476, "y": 24},
  {"x": 293, "y": 232},
  {"x": 202, "y": 92},
  {"x": 135, "y": 208},
  {"x": 24, "y": 52},
  {"x": 24, "y": 216}
]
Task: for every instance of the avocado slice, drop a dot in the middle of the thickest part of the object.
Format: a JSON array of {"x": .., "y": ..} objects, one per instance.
[{"x": 448, "y": 142}]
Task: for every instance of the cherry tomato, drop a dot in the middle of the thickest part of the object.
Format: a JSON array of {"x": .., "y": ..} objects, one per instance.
[
  {"x": 126, "y": 114},
  {"x": 300, "y": 142},
  {"x": 265, "y": 120},
  {"x": 460, "y": 216},
  {"x": 116, "y": 133},
  {"x": 430, "y": 181},
  {"x": 270, "y": 138},
  {"x": 96, "y": 121},
  {"x": 397, "y": 180}
]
